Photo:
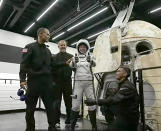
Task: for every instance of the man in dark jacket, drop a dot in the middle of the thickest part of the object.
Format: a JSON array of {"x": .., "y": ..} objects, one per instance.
[
  {"x": 62, "y": 77},
  {"x": 36, "y": 67},
  {"x": 124, "y": 104}
]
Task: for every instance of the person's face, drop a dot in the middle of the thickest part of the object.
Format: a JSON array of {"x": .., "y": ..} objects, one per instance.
[
  {"x": 62, "y": 46},
  {"x": 121, "y": 74},
  {"x": 45, "y": 35},
  {"x": 82, "y": 49}
]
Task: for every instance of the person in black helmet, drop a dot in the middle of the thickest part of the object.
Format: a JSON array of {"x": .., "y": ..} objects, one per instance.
[
  {"x": 36, "y": 67},
  {"x": 124, "y": 104}
]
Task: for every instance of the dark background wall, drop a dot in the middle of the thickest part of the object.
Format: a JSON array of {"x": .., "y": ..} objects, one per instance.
[{"x": 10, "y": 54}]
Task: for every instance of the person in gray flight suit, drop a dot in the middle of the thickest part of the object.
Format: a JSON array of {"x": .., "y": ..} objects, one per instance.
[{"x": 82, "y": 63}]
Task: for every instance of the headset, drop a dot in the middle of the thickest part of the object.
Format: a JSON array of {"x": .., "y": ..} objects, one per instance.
[{"x": 21, "y": 93}]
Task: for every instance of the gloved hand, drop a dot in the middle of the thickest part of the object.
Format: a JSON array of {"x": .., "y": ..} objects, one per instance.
[
  {"x": 90, "y": 102},
  {"x": 76, "y": 58},
  {"x": 88, "y": 58}
]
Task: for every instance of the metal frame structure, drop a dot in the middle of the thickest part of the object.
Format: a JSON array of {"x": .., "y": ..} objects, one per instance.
[{"x": 139, "y": 79}]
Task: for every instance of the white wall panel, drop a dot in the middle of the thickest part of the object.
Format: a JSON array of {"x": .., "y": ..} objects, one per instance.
[
  {"x": 9, "y": 68},
  {"x": 14, "y": 39},
  {"x": 18, "y": 40},
  {"x": 6, "y": 103}
]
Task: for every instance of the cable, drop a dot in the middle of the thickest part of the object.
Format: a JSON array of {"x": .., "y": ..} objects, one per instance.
[{"x": 14, "y": 98}]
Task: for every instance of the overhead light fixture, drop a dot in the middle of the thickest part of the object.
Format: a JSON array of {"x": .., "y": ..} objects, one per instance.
[
  {"x": 47, "y": 10},
  {"x": 74, "y": 43},
  {"x": 104, "y": 9},
  {"x": 58, "y": 35},
  {"x": 155, "y": 10},
  {"x": 1, "y": 1},
  {"x": 97, "y": 34},
  {"x": 29, "y": 27},
  {"x": 92, "y": 48},
  {"x": 41, "y": 14}
]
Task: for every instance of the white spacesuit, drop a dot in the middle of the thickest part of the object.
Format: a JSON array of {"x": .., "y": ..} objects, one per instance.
[{"x": 83, "y": 83}]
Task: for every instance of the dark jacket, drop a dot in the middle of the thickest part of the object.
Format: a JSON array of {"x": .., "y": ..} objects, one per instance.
[
  {"x": 125, "y": 103},
  {"x": 36, "y": 61},
  {"x": 61, "y": 71}
]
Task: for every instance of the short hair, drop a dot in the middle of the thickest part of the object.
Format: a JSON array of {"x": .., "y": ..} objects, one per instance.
[
  {"x": 62, "y": 41},
  {"x": 127, "y": 70},
  {"x": 41, "y": 30},
  {"x": 83, "y": 44}
]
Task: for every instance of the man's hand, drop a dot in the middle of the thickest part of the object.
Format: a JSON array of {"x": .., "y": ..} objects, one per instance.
[
  {"x": 90, "y": 102},
  {"x": 23, "y": 84},
  {"x": 68, "y": 61}
]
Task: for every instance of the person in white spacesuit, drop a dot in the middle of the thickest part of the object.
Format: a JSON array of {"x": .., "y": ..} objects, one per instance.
[{"x": 83, "y": 83}]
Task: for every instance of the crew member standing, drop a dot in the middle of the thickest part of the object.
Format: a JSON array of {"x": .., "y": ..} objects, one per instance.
[
  {"x": 83, "y": 63},
  {"x": 36, "y": 67},
  {"x": 62, "y": 76}
]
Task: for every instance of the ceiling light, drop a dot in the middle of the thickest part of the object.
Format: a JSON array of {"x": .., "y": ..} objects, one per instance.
[
  {"x": 97, "y": 33},
  {"x": 74, "y": 43},
  {"x": 152, "y": 11},
  {"x": 104, "y": 9},
  {"x": 55, "y": 1},
  {"x": 29, "y": 27},
  {"x": 58, "y": 35},
  {"x": 1, "y": 1},
  {"x": 47, "y": 10}
]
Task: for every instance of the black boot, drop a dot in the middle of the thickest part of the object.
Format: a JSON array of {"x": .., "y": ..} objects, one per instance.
[
  {"x": 67, "y": 121},
  {"x": 92, "y": 116},
  {"x": 109, "y": 118},
  {"x": 73, "y": 119}
]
